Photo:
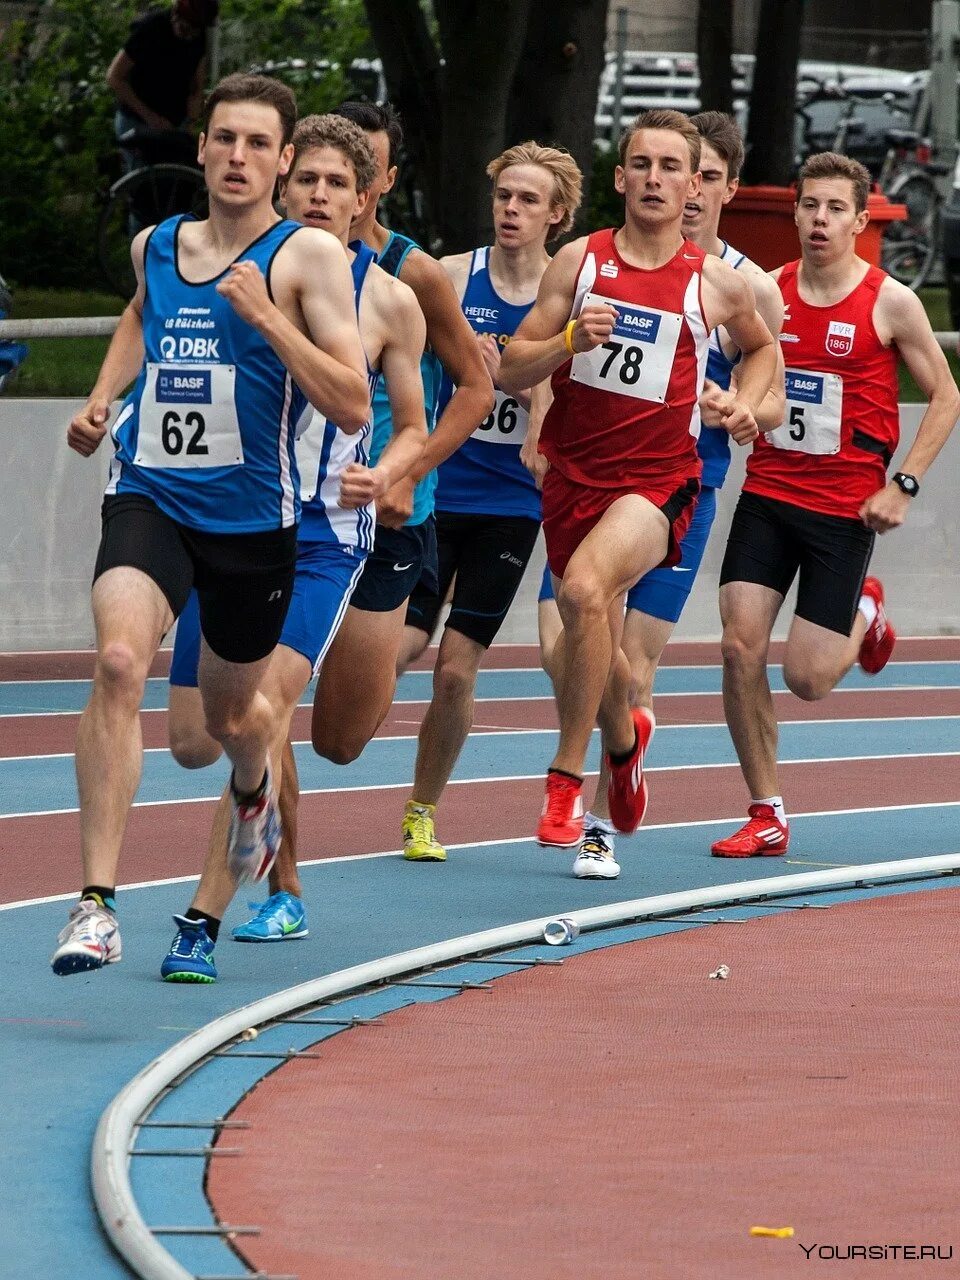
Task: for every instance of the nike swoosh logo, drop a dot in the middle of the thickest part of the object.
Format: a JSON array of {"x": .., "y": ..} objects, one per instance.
[
  {"x": 399, "y": 568},
  {"x": 678, "y": 568},
  {"x": 289, "y": 928}
]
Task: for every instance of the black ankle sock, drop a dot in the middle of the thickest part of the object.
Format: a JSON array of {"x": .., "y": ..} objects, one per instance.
[
  {"x": 618, "y": 758},
  {"x": 100, "y": 894},
  {"x": 564, "y": 774},
  {"x": 212, "y": 923},
  {"x": 248, "y": 797}
]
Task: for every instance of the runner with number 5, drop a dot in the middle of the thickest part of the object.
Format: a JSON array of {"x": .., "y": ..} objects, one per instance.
[
  {"x": 622, "y": 322},
  {"x": 816, "y": 492},
  {"x": 487, "y": 503}
]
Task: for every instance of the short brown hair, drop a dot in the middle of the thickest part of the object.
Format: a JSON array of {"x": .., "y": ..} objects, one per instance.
[
  {"x": 342, "y": 134},
  {"x": 661, "y": 118},
  {"x": 560, "y": 164},
  {"x": 722, "y": 133},
  {"x": 830, "y": 164},
  {"x": 244, "y": 86}
]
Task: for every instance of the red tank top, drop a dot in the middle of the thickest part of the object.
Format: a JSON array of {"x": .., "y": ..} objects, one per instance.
[
  {"x": 627, "y": 412},
  {"x": 842, "y": 424}
]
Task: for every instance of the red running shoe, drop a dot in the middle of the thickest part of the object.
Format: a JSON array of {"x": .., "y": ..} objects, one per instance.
[
  {"x": 880, "y": 638},
  {"x": 763, "y": 834},
  {"x": 561, "y": 822},
  {"x": 627, "y": 789}
]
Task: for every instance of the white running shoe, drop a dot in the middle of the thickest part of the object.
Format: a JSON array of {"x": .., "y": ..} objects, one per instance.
[
  {"x": 595, "y": 860},
  {"x": 255, "y": 834},
  {"x": 90, "y": 940}
]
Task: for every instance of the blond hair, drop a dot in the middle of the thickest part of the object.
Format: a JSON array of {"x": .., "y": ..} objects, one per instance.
[
  {"x": 560, "y": 164},
  {"x": 830, "y": 164},
  {"x": 346, "y": 137},
  {"x": 662, "y": 118}
]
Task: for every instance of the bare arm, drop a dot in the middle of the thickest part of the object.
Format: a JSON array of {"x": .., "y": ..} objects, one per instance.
[
  {"x": 729, "y": 300},
  {"x": 541, "y": 398},
  {"x": 455, "y": 345},
  {"x": 899, "y": 316},
  {"x": 118, "y": 79},
  {"x": 405, "y": 332},
  {"x": 120, "y": 366},
  {"x": 540, "y": 346},
  {"x": 327, "y": 363}
]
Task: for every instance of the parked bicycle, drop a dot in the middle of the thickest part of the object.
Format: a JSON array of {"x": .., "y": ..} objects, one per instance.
[
  {"x": 166, "y": 181},
  {"x": 907, "y": 173}
]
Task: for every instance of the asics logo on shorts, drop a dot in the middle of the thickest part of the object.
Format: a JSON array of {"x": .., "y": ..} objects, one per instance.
[{"x": 507, "y": 555}]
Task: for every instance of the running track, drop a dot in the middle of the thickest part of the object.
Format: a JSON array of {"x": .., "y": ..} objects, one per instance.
[{"x": 870, "y": 774}]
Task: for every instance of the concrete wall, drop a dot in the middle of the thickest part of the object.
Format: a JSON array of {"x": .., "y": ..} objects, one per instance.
[{"x": 49, "y": 526}]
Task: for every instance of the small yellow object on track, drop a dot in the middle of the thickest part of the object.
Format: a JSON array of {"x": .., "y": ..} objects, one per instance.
[{"x": 778, "y": 1233}]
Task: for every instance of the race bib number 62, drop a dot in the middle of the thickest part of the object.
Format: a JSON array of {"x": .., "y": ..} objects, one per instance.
[
  {"x": 637, "y": 359},
  {"x": 188, "y": 417}
]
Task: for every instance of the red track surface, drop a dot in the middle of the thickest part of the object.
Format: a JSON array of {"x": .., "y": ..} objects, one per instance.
[{"x": 625, "y": 1117}]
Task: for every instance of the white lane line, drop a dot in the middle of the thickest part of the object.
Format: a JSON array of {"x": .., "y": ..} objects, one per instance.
[
  {"x": 516, "y": 733},
  {"x": 516, "y": 777},
  {"x": 486, "y": 844}
]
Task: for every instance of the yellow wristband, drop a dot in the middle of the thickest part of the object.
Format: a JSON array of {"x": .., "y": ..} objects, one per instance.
[{"x": 568, "y": 337}]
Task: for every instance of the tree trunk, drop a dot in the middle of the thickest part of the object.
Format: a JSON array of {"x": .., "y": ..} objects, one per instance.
[
  {"x": 714, "y": 47},
  {"x": 770, "y": 140},
  {"x": 553, "y": 98},
  {"x": 481, "y": 42},
  {"x": 411, "y": 67}
]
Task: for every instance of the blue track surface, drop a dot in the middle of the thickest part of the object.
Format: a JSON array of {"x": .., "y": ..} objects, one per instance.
[{"x": 68, "y": 1045}]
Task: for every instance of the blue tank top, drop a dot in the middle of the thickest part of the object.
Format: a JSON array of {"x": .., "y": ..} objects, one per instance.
[
  {"x": 394, "y": 255},
  {"x": 323, "y": 450},
  {"x": 713, "y": 445},
  {"x": 485, "y": 475},
  {"x": 208, "y": 430}
]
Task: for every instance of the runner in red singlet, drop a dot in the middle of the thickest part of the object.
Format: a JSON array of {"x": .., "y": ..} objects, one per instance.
[
  {"x": 816, "y": 492},
  {"x": 622, "y": 322}
]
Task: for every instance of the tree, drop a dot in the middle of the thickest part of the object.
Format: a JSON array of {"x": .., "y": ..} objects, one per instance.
[
  {"x": 494, "y": 73},
  {"x": 714, "y": 49},
  {"x": 770, "y": 138}
]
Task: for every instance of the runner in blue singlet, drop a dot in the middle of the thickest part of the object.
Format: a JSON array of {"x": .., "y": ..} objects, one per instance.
[
  {"x": 488, "y": 505},
  {"x": 345, "y": 715},
  {"x": 655, "y": 603},
  {"x": 331, "y": 174},
  {"x": 203, "y": 484}
]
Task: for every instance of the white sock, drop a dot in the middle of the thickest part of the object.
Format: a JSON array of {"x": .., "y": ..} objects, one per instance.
[
  {"x": 591, "y": 820},
  {"x": 868, "y": 607},
  {"x": 776, "y": 804}
]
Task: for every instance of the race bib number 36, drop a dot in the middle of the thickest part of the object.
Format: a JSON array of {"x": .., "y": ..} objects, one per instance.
[
  {"x": 188, "y": 417},
  {"x": 814, "y": 413},
  {"x": 506, "y": 424},
  {"x": 638, "y": 358}
]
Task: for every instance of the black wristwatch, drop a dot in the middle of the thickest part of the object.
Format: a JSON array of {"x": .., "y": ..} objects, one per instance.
[{"x": 906, "y": 484}]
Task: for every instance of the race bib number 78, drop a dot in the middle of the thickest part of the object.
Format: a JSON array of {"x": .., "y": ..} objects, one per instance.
[{"x": 637, "y": 360}]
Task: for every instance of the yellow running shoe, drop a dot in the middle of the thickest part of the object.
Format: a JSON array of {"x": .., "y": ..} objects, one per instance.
[{"x": 420, "y": 844}]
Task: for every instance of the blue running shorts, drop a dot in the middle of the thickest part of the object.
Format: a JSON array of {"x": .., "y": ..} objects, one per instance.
[
  {"x": 325, "y": 578},
  {"x": 662, "y": 593}
]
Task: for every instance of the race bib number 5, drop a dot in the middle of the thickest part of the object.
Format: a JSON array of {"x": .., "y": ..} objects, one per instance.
[
  {"x": 188, "y": 417},
  {"x": 814, "y": 413},
  {"x": 638, "y": 358},
  {"x": 505, "y": 424}
]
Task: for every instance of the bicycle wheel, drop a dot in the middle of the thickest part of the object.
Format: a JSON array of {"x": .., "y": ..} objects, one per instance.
[
  {"x": 909, "y": 249},
  {"x": 141, "y": 199}
]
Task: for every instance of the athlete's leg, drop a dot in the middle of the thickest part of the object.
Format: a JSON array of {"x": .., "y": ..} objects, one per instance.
[
  {"x": 448, "y": 718},
  {"x": 816, "y": 659},
  {"x": 238, "y": 715},
  {"x": 190, "y": 744},
  {"x": 131, "y": 616},
  {"x": 413, "y": 645},
  {"x": 748, "y": 612},
  {"x": 284, "y": 876},
  {"x": 357, "y": 683},
  {"x": 629, "y": 539},
  {"x": 287, "y": 675}
]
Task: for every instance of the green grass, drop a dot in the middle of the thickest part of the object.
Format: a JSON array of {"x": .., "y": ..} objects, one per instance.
[
  {"x": 69, "y": 366},
  {"x": 60, "y": 366}
]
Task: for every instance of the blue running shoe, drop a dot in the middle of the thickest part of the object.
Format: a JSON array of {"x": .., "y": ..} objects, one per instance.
[
  {"x": 282, "y": 916},
  {"x": 190, "y": 958}
]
